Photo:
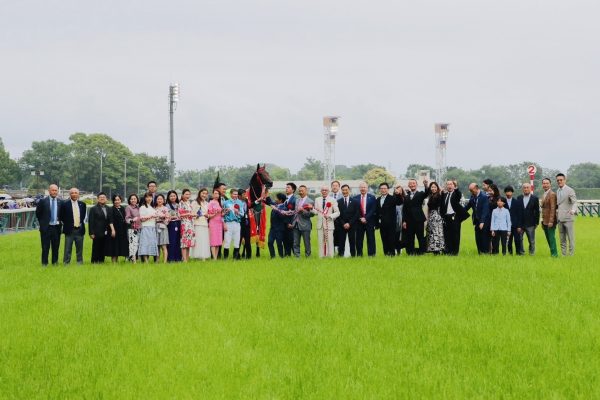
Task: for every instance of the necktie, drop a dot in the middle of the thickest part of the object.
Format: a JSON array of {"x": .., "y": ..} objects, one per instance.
[
  {"x": 76, "y": 221},
  {"x": 363, "y": 205},
  {"x": 559, "y": 193},
  {"x": 53, "y": 211},
  {"x": 346, "y": 201},
  {"x": 323, "y": 203}
]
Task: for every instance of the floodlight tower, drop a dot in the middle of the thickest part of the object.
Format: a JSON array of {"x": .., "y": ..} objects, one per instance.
[
  {"x": 441, "y": 137},
  {"x": 173, "y": 100},
  {"x": 331, "y": 128}
]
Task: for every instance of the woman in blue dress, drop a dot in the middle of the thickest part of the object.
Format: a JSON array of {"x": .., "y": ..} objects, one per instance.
[{"x": 174, "y": 226}]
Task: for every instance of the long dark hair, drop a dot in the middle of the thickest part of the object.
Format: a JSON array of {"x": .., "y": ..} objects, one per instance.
[
  {"x": 439, "y": 191},
  {"x": 147, "y": 194},
  {"x": 169, "y": 195}
]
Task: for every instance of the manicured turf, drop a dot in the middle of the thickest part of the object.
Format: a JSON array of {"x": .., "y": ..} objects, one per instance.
[{"x": 464, "y": 327}]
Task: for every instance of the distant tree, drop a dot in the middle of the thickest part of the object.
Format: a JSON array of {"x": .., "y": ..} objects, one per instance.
[
  {"x": 584, "y": 175},
  {"x": 50, "y": 156},
  {"x": 376, "y": 176},
  {"x": 9, "y": 169},
  {"x": 311, "y": 170}
]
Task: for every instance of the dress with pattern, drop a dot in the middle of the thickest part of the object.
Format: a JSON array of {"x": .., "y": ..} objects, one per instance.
[
  {"x": 435, "y": 226},
  {"x": 188, "y": 237}
]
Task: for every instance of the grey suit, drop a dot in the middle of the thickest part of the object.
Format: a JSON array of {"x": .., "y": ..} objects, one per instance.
[
  {"x": 566, "y": 210},
  {"x": 302, "y": 225}
]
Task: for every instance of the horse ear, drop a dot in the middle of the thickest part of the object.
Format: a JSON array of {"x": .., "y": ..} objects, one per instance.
[
  {"x": 257, "y": 166},
  {"x": 264, "y": 166}
]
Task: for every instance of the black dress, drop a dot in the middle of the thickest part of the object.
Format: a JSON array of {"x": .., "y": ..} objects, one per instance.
[{"x": 119, "y": 245}]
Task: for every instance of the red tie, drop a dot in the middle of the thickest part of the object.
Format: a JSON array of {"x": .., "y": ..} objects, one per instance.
[{"x": 363, "y": 205}]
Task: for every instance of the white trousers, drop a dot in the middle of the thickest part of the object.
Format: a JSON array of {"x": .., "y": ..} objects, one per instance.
[
  {"x": 232, "y": 234},
  {"x": 325, "y": 251}
]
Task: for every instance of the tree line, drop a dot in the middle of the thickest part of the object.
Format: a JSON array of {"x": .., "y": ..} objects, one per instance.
[{"x": 78, "y": 163}]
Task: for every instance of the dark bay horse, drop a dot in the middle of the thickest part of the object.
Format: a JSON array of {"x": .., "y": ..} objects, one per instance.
[{"x": 259, "y": 184}]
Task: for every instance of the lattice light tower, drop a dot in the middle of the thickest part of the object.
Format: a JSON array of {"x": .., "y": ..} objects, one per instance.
[
  {"x": 331, "y": 128},
  {"x": 173, "y": 100},
  {"x": 441, "y": 138}
]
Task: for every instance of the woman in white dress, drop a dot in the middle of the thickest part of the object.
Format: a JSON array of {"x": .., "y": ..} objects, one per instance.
[
  {"x": 200, "y": 208},
  {"x": 148, "y": 243}
]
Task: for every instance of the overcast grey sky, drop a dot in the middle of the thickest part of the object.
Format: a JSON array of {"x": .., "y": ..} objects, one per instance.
[{"x": 517, "y": 79}]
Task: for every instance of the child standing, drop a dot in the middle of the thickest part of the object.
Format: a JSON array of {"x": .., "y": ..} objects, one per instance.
[{"x": 501, "y": 226}]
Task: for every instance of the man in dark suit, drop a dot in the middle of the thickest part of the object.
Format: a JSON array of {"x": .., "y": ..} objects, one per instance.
[
  {"x": 454, "y": 214},
  {"x": 72, "y": 215},
  {"x": 367, "y": 205},
  {"x": 100, "y": 229},
  {"x": 48, "y": 214},
  {"x": 531, "y": 215},
  {"x": 386, "y": 218},
  {"x": 482, "y": 218},
  {"x": 152, "y": 187},
  {"x": 279, "y": 222},
  {"x": 289, "y": 204},
  {"x": 345, "y": 224},
  {"x": 515, "y": 207},
  {"x": 413, "y": 217}
]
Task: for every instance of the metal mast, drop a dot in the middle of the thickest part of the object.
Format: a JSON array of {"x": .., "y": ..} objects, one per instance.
[
  {"x": 441, "y": 137},
  {"x": 331, "y": 128},
  {"x": 173, "y": 100}
]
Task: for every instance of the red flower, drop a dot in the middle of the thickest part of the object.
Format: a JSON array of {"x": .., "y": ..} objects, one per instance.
[
  {"x": 236, "y": 206},
  {"x": 307, "y": 207},
  {"x": 290, "y": 207},
  {"x": 328, "y": 205}
]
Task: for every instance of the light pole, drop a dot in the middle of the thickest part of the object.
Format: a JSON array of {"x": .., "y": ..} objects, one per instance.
[
  {"x": 102, "y": 154},
  {"x": 173, "y": 100},
  {"x": 138, "y": 188},
  {"x": 125, "y": 179},
  {"x": 37, "y": 175}
]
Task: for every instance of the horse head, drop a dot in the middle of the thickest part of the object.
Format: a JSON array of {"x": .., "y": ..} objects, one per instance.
[{"x": 264, "y": 176}]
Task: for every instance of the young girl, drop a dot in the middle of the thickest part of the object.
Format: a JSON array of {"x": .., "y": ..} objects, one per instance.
[
  {"x": 148, "y": 244},
  {"x": 187, "y": 224},
  {"x": 162, "y": 219},
  {"x": 215, "y": 223}
]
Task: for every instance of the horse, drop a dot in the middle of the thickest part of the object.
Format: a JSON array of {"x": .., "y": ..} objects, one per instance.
[{"x": 260, "y": 182}]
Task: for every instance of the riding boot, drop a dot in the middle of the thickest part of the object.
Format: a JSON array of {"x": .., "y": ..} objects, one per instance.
[
  {"x": 236, "y": 254},
  {"x": 225, "y": 254}
]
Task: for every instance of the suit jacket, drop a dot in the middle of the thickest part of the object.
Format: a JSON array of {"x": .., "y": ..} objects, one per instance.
[
  {"x": 413, "y": 207},
  {"x": 371, "y": 208},
  {"x": 481, "y": 209},
  {"x": 66, "y": 215},
  {"x": 279, "y": 221},
  {"x": 516, "y": 212},
  {"x": 549, "y": 208},
  {"x": 531, "y": 213},
  {"x": 349, "y": 214},
  {"x": 386, "y": 213},
  {"x": 98, "y": 223},
  {"x": 459, "y": 210},
  {"x": 566, "y": 202},
  {"x": 42, "y": 212},
  {"x": 332, "y": 213},
  {"x": 302, "y": 219}
]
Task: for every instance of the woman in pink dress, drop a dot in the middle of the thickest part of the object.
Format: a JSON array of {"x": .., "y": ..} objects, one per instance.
[{"x": 215, "y": 223}]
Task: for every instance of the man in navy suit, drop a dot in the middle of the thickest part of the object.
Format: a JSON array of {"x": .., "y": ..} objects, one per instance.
[
  {"x": 386, "y": 218},
  {"x": 72, "y": 214},
  {"x": 413, "y": 217},
  {"x": 48, "y": 214},
  {"x": 289, "y": 204},
  {"x": 367, "y": 205},
  {"x": 345, "y": 224},
  {"x": 515, "y": 207},
  {"x": 531, "y": 215},
  {"x": 480, "y": 204}
]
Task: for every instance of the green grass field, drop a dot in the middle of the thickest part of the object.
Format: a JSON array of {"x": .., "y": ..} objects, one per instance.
[{"x": 427, "y": 327}]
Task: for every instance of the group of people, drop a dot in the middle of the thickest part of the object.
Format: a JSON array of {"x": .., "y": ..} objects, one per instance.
[{"x": 171, "y": 228}]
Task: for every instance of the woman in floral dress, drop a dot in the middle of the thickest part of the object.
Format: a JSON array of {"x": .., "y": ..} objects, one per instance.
[
  {"x": 162, "y": 232},
  {"x": 435, "y": 222},
  {"x": 188, "y": 237},
  {"x": 132, "y": 216},
  {"x": 215, "y": 223}
]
